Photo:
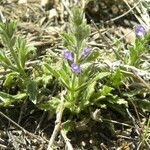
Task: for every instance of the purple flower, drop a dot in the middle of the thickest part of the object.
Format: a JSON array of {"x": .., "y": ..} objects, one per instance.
[
  {"x": 75, "y": 68},
  {"x": 86, "y": 51},
  {"x": 140, "y": 30},
  {"x": 68, "y": 55}
]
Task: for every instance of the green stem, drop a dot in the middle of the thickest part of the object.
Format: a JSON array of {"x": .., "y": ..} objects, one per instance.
[
  {"x": 73, "y": 87},
  {"x": 78, "y": 52},
  {"x": 74, "y": 75}
]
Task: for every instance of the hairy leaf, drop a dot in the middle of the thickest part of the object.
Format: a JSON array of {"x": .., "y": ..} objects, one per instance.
[{"x": 32, "y": 91}]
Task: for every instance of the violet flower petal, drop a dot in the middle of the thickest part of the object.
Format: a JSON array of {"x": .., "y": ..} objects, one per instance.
[
  {"x": 68, "y": 55},
  {"x": 140, "y": 30},
  {"x": 86, "y": 51},
  {"x": 75, "y": 68}
]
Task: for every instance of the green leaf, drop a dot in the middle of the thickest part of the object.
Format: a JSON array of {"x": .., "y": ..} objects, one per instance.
[
  {"x": 98, "y": 76},
  {"x": 78, "y": 26},
  {"x": 118, "y": 108},
  {"x": 134, "y": 56},
  {"x": 90, "y": 90},
  {"x": 22, "y": 51},
  {"x": 8, "y": 99},
  {"x": 68, "y": 126},
  {"x": 64, "y": 76},
  {"x": 77, "y": 16},
  {"x": 82, "y": 32},
  {"x": 53, "y": 103},
  {"x": 87, "y": 70},
  {"x": 121, "y": 101},
  {"x": 60, "y": 74},
  {"x": 96, "y": 97},
  {"x": 68, "y": 39},
  {"x": 136, "y": 51},
  {"x": 52, "y": 70},
  {"x": 144, "y": 104},
  {"x": 106, "y": 90},
  {"x": 6, "y": 61},
  {"x": 45, "y": 79},
  {"x": 32, "y": 91},
  {"x": 50, "y": 106},
  {"x": 9, "y": 77},
  {"x": 93, "y": 55},
  {"x": 7, "y": 31},
  {"x": 116, "y": 78}
]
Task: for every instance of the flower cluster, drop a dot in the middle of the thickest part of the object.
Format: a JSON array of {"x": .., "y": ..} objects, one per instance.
[{"x": 75, "y": 67}]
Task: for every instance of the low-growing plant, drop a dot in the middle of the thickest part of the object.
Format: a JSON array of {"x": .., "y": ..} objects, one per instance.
[
  {"x": 140, "y": 47},
  {"x": 77, "y": 84},
  {"x": 13, "y": 58},
  {"x": 77, "y": 74}
]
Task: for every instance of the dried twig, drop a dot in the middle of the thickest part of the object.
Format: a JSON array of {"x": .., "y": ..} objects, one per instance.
[
  {"x": 57, "y": 128},
  {"x": 134, "y": 122},
  {"x": 23, "y": 108},
  {"x": 96, "y": 116},
  {"x": 116, "y": 122},
  {"x": 67, "y": 141},
  {"x": 144, "y": 16}
]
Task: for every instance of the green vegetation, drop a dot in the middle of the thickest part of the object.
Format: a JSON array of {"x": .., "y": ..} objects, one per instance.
[{"x": 82, "y": 83}]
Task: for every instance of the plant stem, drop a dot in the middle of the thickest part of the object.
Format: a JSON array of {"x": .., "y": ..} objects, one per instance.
[
  {"x": 73, "y": 87},
  {"x": 78, "y": 51},
  {"x": 67, "y": 141},
  {"x": 56, "y": 129}
]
